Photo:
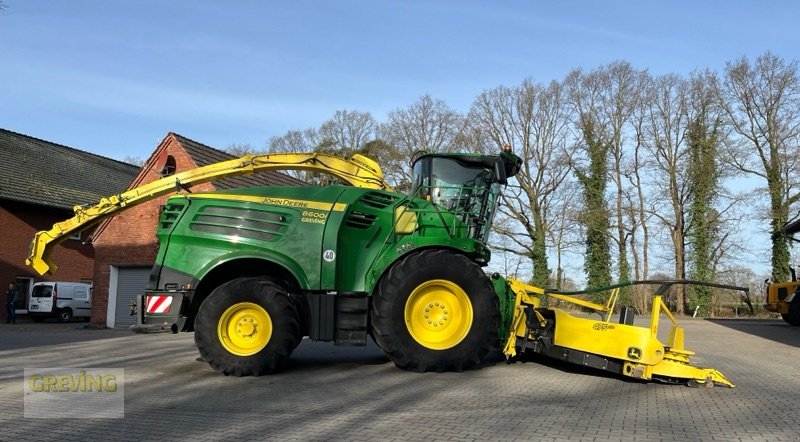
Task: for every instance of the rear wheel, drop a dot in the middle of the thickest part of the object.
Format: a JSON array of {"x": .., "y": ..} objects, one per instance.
[
  {"x": 793, "y": 316},
  {"x": 435, "y": 311},
  {"x": 65, "y": 315},
  {"x": 248, "y": 326}
]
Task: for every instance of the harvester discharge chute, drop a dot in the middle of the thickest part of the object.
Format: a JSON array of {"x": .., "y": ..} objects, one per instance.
[
  {"x": 619, "y": 347},
  {"x": 358, "y": 171}
]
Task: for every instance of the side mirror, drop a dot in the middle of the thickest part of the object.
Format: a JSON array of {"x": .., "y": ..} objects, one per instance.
[
  {"x": 500, "y": 171},
  {"x": 511, "y": 164}
]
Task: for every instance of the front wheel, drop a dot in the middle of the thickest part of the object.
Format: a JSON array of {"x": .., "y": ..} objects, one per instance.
[
  {"x": 435, "y": 311},
  {"x": 248, "y": 326},
  {"x": 793, "y": 316}
]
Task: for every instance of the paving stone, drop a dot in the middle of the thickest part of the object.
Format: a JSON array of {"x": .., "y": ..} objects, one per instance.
[{"x": 354, "y": 394}]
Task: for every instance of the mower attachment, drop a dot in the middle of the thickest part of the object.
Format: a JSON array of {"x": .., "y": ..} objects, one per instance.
[{"x": 620, "y": 347}]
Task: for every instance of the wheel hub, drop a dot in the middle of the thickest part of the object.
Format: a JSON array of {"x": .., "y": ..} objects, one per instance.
[
  {"x": 244, "y": 329},
  {"x": 438, "y": 314}
]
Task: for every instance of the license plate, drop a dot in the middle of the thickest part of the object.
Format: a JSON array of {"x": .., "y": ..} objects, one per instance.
[{"x": 34, "y": 307}]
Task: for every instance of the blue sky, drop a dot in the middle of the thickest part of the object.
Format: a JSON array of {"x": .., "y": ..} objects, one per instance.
[{"x": 113, "y": 77}]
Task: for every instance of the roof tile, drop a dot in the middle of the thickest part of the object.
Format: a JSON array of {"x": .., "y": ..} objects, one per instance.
[{"x": 41, "y": 172}]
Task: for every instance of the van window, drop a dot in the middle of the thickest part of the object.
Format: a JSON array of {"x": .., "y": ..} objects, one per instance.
[
  {"x": 81, "y": 293},
  {"x": 42, "y": 291}
]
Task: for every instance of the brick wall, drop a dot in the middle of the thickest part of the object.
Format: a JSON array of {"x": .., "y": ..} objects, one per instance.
[
  {"x": 20, "y": 221},
  {"x": 129, "y": 239}
]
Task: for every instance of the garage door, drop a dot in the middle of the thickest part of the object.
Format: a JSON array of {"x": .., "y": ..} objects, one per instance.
[{"x": 131, "y": 282}]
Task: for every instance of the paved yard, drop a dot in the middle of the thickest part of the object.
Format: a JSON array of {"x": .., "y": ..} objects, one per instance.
[{"x": 332, "y": 393}]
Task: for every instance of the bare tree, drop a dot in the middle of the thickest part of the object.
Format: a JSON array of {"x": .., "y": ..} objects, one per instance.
[
  {"x": 347, "y": 132},
  {"x": 762, "y": 104},
  {"x": 344, "y": 134},
  {"x": 239, "y": 150},
  {"x": 294, "y": 141},
  {"x": 638, "y": 214},
  {"x": 531, "y": 118},
  {"x": 427, "y": 125},
  {"x": 619, "y": 98},
  {"x": 564, "y": 232},
  {"x": 666, "y": 142}
]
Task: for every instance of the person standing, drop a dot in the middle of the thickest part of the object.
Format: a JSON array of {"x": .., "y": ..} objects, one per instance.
[{"x": 11, "y": 309}]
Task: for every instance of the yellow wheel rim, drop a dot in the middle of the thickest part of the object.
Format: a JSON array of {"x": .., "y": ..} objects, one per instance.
[
  {"x": 438, "y": 314},
  {"x": 244, "y": 329}
]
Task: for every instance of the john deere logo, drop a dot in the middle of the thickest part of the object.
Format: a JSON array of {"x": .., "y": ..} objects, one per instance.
[
  {"x": 602, "y": 326},
  {"x": 634, "y": 353}
]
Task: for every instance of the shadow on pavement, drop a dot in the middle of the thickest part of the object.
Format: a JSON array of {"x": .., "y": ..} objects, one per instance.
[
  {"x": 27, "y": 334},
  {"x": 775, "y": 330}
]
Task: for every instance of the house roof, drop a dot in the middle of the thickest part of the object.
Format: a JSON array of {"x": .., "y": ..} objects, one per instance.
[
  {"x": 41, "y": 172},
  {"x": 204, "y": 155}
]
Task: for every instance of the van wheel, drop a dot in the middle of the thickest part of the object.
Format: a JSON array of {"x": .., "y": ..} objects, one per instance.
[
  {"x": 65, "y": 315},
  {"x": 37, "y": 319}
]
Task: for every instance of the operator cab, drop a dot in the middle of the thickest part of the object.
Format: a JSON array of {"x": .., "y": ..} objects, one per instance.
[{"x": 468, "y": 185}]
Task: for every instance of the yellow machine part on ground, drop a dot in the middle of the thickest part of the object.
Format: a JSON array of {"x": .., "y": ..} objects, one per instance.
[
  {"x": 636, "y": 350},
  {"x": 605, "y": 338}
]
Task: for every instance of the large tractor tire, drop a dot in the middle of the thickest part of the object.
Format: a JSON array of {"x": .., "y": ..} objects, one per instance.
[
  {"x": 793, "y": 316},
  {"x": 435, "y": 311},
  {"x": 247, "y": 327}
]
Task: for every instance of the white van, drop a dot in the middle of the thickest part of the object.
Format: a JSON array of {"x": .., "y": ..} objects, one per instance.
[{"x": 62, "y": 300}]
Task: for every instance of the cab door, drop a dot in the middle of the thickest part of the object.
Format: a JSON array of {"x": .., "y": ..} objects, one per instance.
[{"x": 41, "y": 300}]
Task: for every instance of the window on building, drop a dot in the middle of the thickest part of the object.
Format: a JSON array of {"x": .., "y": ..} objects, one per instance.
[{"x": 169, "y": 166}]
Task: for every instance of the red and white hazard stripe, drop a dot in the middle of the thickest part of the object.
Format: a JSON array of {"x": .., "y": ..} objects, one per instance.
[{"x": 158, "y": 303}]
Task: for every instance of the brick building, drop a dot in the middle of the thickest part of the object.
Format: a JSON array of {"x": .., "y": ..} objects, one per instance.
[
  {"x": 40, "y": 183},
  {"x": 125, "y": 246}
]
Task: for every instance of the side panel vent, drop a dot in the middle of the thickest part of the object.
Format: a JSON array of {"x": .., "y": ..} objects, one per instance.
[
  {"x": 378, "y": 200},
  {"x": 169, "y": 214},
  {"x": 360, "y": 220},
  {"x": 242, "y": 222}
]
